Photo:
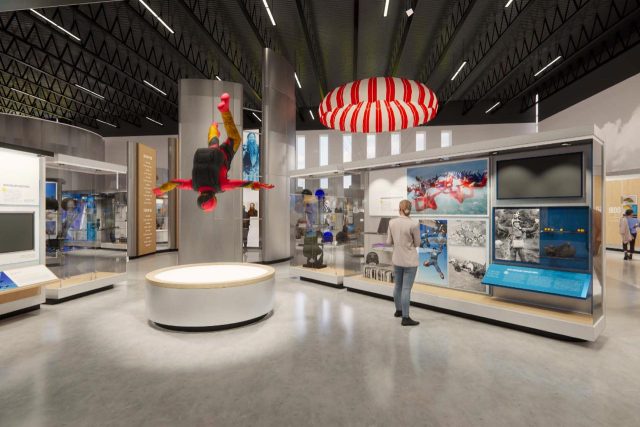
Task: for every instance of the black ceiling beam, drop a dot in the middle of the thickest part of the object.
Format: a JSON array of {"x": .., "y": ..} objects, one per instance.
[
  {"x": 593, "y": 32},
  {"x": 524, "y": 48},
  {"x": 497, "y": 30},
  {"x": 220, "y": 39},
  {"x": 356, "y": 20},
  {"x": 304, "y": 13},
  {"x": 42, "y": 59},
  {"x": 13, "y": 5},
  {"x": 401, "y": 39},
  {"x": 254, "y": 18},
  {"x": 30, "y": 71},
  {"x": 444, "y": 42},
  {"x": 126, "y": 83}
]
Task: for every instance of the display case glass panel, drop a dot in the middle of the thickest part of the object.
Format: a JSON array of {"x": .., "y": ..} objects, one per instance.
[
  {"x": 328, "y": 225},
  {"x": 86, "y": 224}
]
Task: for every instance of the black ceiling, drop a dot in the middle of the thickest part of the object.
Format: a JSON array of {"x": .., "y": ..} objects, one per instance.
[{"x": 329, "y": 43}]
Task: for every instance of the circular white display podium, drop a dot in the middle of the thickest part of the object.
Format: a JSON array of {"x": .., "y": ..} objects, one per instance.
[{"x": 209, "y": 296}]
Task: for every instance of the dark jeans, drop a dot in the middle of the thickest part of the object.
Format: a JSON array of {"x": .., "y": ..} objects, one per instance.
[
  {"x": 404, "y": 277},
  {"x": 630, "y": 247}
]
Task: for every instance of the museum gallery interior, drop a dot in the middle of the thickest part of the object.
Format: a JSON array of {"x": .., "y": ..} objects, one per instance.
[{"x": 319, "y": 212}]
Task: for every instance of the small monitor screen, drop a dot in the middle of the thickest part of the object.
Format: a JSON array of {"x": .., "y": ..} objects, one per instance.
[
  {"x": 540, "y": 177},
  {"x": 16, "y": 232},
  {"x": 383, "y": 226}
]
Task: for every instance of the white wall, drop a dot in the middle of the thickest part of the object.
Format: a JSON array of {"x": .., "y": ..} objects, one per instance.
[
  {"x": 616, "y": 113},
  {"x": 461, "y": 135}
]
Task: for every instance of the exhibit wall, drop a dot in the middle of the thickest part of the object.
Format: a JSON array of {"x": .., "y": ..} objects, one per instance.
[
  {"x": 621, "y": 194},
  {"x": 616, "y": 114},
  {"x": 461, "y": 135}
]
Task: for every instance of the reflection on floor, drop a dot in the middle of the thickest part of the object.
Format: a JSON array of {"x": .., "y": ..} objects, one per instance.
[{"x": 325, "y": 357}]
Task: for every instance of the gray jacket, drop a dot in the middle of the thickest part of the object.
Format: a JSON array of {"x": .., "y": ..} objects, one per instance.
[{"x": 404, "y": 235}]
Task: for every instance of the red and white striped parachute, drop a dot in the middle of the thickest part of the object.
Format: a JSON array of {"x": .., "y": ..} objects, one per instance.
[{"x": 378, "y": 104}]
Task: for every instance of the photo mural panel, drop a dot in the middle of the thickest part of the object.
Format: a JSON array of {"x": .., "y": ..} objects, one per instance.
[
  {"x": 459, "y": 188},
  {"x": 517, "y": 235},
  {"x": 251, "y": 156},
  {"x": 433, "y": 253},
  {"x": 468, "y": 254}
]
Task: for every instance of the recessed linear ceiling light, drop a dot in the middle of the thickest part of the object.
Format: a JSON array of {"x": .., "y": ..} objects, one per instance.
[
  {"x": 409, "y": 12},
  {"x": 44, "y": 18},
  {"x": 218, "y": 77},
  {"x": 508, "y": 3},
  {"x": 256, "y": 116},
  {"x": 459, "y": 69},
  {"x": 155, "y": 87},
  {"x": 89, "y": 91},
  {"x": 106, "y": 123},
  {"x": 492, "y": 108},
  {"x": 311, "y": 114},
  {"x": 297, "y": 80},
  {"x": 154, "y": 121},
  {"x": 266, "y": 6},
  {"x": 386, "y": 8},
  {"x": 155, "y": 15},
  {"x": 28, "y": 94},
  {"x": 547, "y": 66}
]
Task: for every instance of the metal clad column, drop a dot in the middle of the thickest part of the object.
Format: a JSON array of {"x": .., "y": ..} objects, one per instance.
[
  {"x": 277, "y": 156},
  {"x": 207, "y": 236}
]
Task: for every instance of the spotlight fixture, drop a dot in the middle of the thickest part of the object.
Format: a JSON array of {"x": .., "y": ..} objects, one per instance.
[
  {"x": 508, "y": 3},
  {"x": 106, "y": 123},
  {"x": 386, "y": 8},
  {"x": 49, "y": 21},
  {"x": 266, "y": 6},
  {"x": 155, "y": 15},
  {"x": 297, "y": 80},
  {"x": 256, "y": 116},
  {"x": 409, "y": 12},
  {"x": 154, "y": 121},
  {"x": 494, "y": 153},
  {"x": 97, "y": 95},
  {"x": 565, "y": 144},
  {"x": 547, "y": 66},
  {"x": 459, "y": 69},
  {"x": 492, "y": 107},
  {"x": 311, "y": 114},
  {"x": 155, "y": 87}
]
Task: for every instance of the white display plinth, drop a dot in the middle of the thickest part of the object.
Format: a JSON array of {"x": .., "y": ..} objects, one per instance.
[{"x": 209, "y": 296}]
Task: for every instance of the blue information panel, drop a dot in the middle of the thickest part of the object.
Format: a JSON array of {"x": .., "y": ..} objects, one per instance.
[
  {"x": 6, "y": 282},
  {"x": 565, "y": 283}
]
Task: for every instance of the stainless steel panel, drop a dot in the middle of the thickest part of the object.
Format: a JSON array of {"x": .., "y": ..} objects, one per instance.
[
  {"x": 173, "y": 196},
  {"x": 207, "y": 236},
  {"x": 278, "y": 154}
]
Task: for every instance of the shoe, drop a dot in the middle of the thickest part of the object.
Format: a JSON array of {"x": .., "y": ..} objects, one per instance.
[
  {"x": 407, "y": 321},
  {"x": 442, "y": 276},
  {"x": 626, "y": 257},
  {"x": 398, "y": 313}
]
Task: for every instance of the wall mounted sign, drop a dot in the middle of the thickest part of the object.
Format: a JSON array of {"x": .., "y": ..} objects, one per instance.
[{"x": 146, "y": 200}]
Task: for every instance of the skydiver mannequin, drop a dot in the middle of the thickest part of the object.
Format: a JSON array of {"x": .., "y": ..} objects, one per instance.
[{"x": 211, "y": 165}]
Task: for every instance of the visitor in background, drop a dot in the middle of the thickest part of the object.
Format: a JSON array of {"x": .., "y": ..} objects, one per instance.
[
  {"x": 245, "y": 227},
  {"x": 252, "y": 210},
  {"x": 628, "y": 230},
  {"x": 404, "y": 235}
]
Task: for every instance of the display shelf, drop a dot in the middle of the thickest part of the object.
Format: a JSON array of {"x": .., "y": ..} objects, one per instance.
[
  {"x": 80, "y": 285},
  {"x": 329, "y": 275},
  {"x": 25, "y": 297},
  {"x": 569, "y": 324}
]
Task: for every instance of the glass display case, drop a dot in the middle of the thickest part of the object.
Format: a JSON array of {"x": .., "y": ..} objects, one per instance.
[
  {"x": 327, "y": 228},
  {"x": 86, "y": 227}
]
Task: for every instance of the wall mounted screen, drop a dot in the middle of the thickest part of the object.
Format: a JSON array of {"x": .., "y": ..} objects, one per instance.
[
  {"x": 16, "y": 229},
  {"x": 540, "y": 177}
]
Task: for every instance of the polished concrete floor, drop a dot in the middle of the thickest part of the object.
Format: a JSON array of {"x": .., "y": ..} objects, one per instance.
[{"x": 325, "y": 357}]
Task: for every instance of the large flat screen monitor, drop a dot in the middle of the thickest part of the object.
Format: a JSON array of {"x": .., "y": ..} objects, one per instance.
[
  {"x": 17, "y": 231},
  {"x": 558, "y": 176}
]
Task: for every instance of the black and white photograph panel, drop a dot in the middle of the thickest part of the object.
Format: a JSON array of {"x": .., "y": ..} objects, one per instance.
[
  {"x": 467, "y": 254},
  {"x": 517, "y": 235}
]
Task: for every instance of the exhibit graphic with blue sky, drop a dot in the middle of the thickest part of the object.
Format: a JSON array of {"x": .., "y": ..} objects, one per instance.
[
  {"x": 251, "y": 156},
  {"x": 458, "y": 188},
  {"x": 432, "y": 253}
]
